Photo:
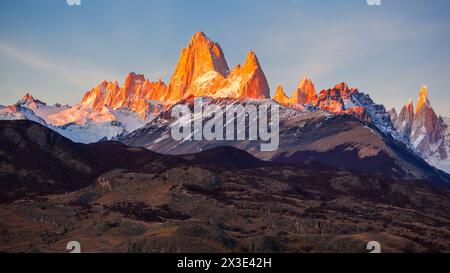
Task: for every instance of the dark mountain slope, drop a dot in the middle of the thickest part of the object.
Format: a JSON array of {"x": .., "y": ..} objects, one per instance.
[{"x": 36, "y": 160}]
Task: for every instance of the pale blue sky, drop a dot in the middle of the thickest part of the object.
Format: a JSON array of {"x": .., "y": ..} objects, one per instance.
[{"x": 58, "y": 52}]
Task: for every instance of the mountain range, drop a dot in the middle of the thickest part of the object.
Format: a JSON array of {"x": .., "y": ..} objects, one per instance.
[
  {"x": 110, "y": 111},
  {"x": 107, "y": 172}
]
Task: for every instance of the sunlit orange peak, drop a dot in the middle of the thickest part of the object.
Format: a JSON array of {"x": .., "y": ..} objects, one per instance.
[
  {"x": 280, "y": 96},
  {"x": 305, "y": 92},
  {"x": 423, "y": 98}
]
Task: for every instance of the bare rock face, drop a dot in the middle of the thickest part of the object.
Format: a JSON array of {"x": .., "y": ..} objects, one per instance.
[
  {"x": 280, "y": 96},
  {"x": 203, "y": 71},
  {"x": 134, "y": 95},
  {"x": 426, "y": 130},
  {"x": 405, "y": 119},
  {"x": 200, "y": 57},
  {"x": 103, "y": 94},
  {"x": 305, "y": 92},
  {"x": 339, "y": 100},
  {"x": 394, "y": 115},
  {"x": 251, "y": 79},
  {"x": 29, "y": 100}
]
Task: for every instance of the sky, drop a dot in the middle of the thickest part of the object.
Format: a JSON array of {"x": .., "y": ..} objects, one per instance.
[{"x": 58, "y": 52}]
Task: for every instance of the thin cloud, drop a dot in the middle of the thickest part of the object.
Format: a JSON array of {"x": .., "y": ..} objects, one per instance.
[{"x": 82, "y": 77}]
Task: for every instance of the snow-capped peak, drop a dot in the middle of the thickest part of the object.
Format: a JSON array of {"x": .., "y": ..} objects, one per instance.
[{"x": 28, "y": 100}]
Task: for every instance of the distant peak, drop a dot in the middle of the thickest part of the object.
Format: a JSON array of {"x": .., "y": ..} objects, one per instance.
[
  {"x": 424, "y": 92},
  {"x": 251, "y": 58},
  {"x": 132, "y": 78},
  {"x": 410, "y": 106},
  {"x": 199, "y": 35},
  {"x": 306, "y": 83},
  {"x": 200, "y": 57},
  {"x": 199, "y": 38},
  {"x": 423, "y": 98},
  {"x": 280, "y": 96},
  {"x": 28, "y": 99},
  {"x": 343, "y": 86},
  {"x": 280, "y": 91},
  {"x": 306, "y": 79},
  {"x": 305, "y": 92},
  {"x": 410, "y": 102},
  {"x": 134, "y": 75}
]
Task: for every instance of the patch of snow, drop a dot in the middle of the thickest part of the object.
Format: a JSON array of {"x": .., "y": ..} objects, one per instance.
[
  {"x": 348, "y": 103},
  {"x": 44, "y": 111},
  {"x": 19, "y": 112},
  {"x": 379, "y": 117},
  {"x": 81, "y": 114},
  {"x": 418, "y": 140},
  {"x": 231, "y": 91},
  {"x": 443, "y": 165},
  {"x": 206, "y": 78},
  {"x": 130, "y": 120},
  {"x": 162, "y": 138},
  {"x": 90, "y": 132},
  {"x": 8, "y": 114}
]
